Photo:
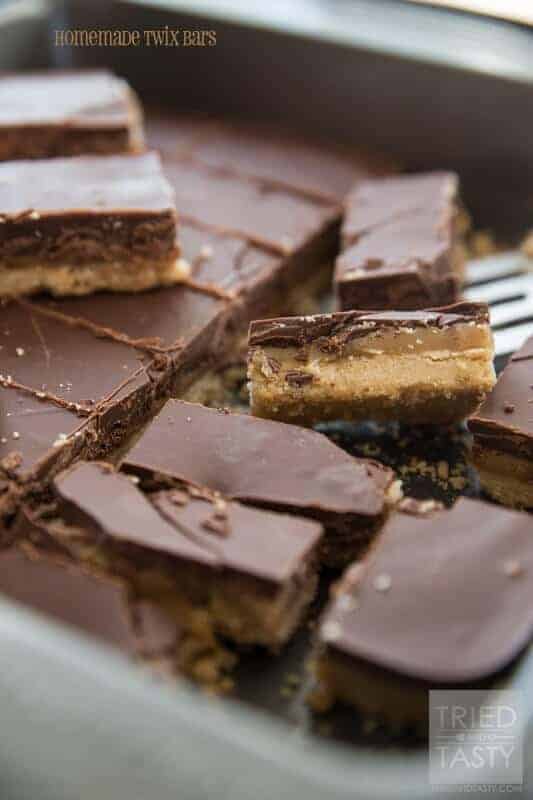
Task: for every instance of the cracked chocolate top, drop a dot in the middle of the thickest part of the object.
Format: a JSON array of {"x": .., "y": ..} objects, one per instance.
[
  {"x": 259, "y": 461},
  {"x": 332, "y": 331},
  {"x": 506, "y": 416},
  {"x": 85, "y": 99},
  {"x": 189, "y": 524},
  {"x": 443, "y": 599},
  {"x": 265, "y": 215}
]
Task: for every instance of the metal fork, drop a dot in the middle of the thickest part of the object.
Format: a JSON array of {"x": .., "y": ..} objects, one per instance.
[{"x": 505, "y": 282}]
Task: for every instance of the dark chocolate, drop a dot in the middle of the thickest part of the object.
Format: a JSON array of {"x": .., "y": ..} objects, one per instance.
[
  {"x": 398, "y": 243},
  {"x": 332, "y": 331},
  {"x": 444, "y": 599},
  {"x": 296, "y": 164},
  {"x": 505, "y": 420},
  {"x": 264, "y": 215},
  {"x": 258, "y": 462}
]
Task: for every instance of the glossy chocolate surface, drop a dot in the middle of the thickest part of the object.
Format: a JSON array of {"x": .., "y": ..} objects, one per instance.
[
  {"x": 259, "y": 462},
  {"x": 444, "y": 598},
  {"x": 505, "y": 420}
]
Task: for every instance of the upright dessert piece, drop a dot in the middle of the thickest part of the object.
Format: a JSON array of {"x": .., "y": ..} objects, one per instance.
[
  {"x": 77, "y": 225},
  {"x": 503, "y": 434},
  {"x": 442, "y": 601},
  {"x": 49, "y": 114},
  {"x": 418, "y": 367},
  {"x": 185, "y": 549},
  {"x": 401, "y": 244},
  {"x": 268, "y": 465}
]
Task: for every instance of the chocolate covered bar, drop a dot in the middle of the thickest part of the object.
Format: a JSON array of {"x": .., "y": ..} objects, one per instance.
[
  {"x": 50, "y": 114},
  {"x": 401, "y": 245},
  {"x": 78, "y": 225},
  {"x": 503, "y": 434},
  {"x": 268, "y": 465},
  {"x": 186, "y": 549},
  {"x": 443, "y": 601},
  {"x": 419, "y": 367}
]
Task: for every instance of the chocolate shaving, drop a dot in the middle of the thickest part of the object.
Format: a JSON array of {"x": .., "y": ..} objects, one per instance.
[
  {"x": 77, "y": 408},
  {"x": 10, "y": 463},
  {"x": 150, "y": 345},
  {"x": 210, "y": 289},
  {"x": 276, "y": 248}
]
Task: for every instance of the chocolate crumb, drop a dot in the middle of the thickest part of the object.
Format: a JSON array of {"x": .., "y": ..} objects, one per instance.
[
  {"x": 382, "y": 582},
  {"x": 509, "y": 407},
  {"x": 512, "y": 568},
  {"x": 298, "y": 379}
]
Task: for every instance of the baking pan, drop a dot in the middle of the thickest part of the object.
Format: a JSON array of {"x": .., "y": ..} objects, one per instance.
[{"x": 80, "y": 722}]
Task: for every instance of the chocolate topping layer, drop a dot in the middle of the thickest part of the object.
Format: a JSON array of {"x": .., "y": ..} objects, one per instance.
[
  {"x": 97, "y": 605},
  {"x": 69, "y": 594},
  {"x": 374, "y": 204},
  {"x": 88, "y": 185},
  {"x": 262, "y": 214},
  {"x": 193, "y": 526},
  {"x": 85, "y": 99},
  {"x": 337, "y": 329},
  {"x": 445, "y": 599},
  {"x": 505, "y": 420},
  {"x": 299, "y": 165},
  {"x": 259, "y": 461},
  {"x": 398, "y": 237}
]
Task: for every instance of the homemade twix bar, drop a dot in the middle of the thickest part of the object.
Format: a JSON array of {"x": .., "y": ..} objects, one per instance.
[
  {"x": 503, "y": 434},
  {"x": 401, "y": 243},
  {"x": 268, "y": 465},
  {"x": 185, "y": 549},
  {"x": 77, "y": 225},
  {"x": 49, "y": 114},
  {"x": 443, "y": 601},
  {"x": 418, "y": 367}
]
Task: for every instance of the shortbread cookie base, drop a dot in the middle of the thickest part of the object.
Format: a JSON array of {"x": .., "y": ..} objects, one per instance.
[
  {"x": 397, "y": 702},
  {"x": 72, "y": 279},
  {"x": 504, "y": 477}
]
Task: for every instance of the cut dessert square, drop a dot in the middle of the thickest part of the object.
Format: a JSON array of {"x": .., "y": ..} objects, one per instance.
[
  {"x": 503, "y": 434},
  {"x": 418, "y": 367},
  {"x": 401, "y": 243},
  {"x": 78, "y": 225},
  {"x": 442, "y": 601},
  {"x": 186, "y": 549},
  {"x": 268, "y": 465},
  {"x": 67, "y": 113}
]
